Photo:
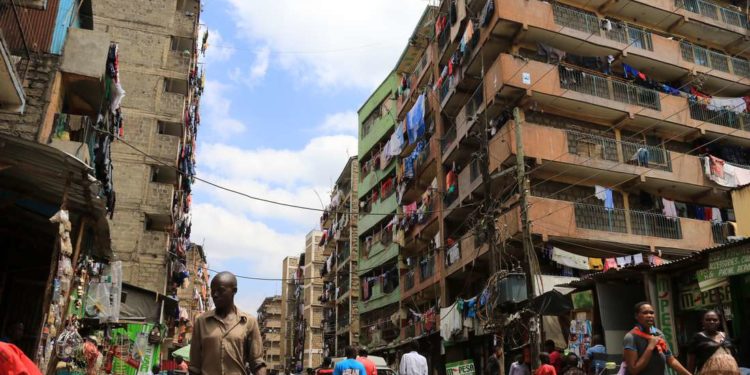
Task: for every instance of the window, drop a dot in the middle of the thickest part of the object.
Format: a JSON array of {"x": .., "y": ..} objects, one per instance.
[
  {"x": 177, "y": 86},
  {"x": 169, "y": 128},
  {"x": 180, "y": 44},
  {"x": 163, "y": 175}
]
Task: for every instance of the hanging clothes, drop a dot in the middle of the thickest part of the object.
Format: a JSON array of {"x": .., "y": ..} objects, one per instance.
[
  {"x": 415, "y": 124},
  {"x": 736, "y": 105},
  {"x": 669, "y": 208},
  {"x": 600, "y": 192},
  {"x": 553, "y": 55},
  {"x": 716, "y": 214},
  {"x": 609, "y": 202}
]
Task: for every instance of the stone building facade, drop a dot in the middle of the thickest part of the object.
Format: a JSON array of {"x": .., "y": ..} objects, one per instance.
[
  {"x": 160, "y": 69},
  {"x": 269, "y": 320}
]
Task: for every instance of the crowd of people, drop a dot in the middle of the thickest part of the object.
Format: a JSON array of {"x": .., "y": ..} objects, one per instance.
[{"x": 645, "y": 352}]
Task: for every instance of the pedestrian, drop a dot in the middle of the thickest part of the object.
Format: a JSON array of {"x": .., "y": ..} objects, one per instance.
[
  {"x": 555, "y": 357},
  {"x": 369, "y": 364},
  {"x": 225, "y": 339},
  {"x": 596, "y": 355},
  {"x": 494, "y": 363},
  {"x": 546, "y": 368},
  {"x": 349, "y": 366},
  {"x": 413, "y": 363},
  {"x": 571, "y": 365},
  {"x": 519, "y": 367},
  {"x": 710, "y": 352},
  {"x": 645, "y": 350},
  {"x": 325, "y": 368}
]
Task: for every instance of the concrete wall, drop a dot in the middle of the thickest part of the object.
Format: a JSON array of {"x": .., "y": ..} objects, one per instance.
[{"x": 741, "y": 202}]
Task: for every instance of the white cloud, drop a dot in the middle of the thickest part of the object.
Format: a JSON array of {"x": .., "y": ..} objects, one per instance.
[
  {"x": 336, "y": 43},
  {"x": 215, "y": 110},
  {"x": 341, "y": 123},
  {"x": 260, "y": 65}
]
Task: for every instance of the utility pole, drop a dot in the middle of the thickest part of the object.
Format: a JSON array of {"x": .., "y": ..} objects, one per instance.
[{"x": 523, "y": 188}]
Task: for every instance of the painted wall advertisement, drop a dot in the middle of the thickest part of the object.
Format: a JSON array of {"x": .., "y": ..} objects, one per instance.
[
  {"x": 665, "y": 310},
  {"x": 131, "y": 353},
  {"x": 460, "y": 368}
]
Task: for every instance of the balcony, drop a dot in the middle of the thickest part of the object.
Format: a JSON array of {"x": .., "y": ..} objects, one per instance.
[
  {"x": 408, "y": 279},
  {"x": 184, "y": 24},
  {"x": 75, "y": 135},
  {"x": 83, "y": 66},
  {"x": 563, "y": 219},
  {"x": 159, "y": 198},
  {"x": 695, "y": 19},
  {"x": 593, "y": 158},
  {"x": 171, "y": 104},
  {"x": 574, "y": 91},
  {"x": 178, "y": 61},
  {"x": 722, "y": 117},
  {"x": 463, "y": 252},
  {"x": 166, "y": 147},
  {"x": 469, "y": 179},
  {"x": 374, "y": 178},
  {"x": 715, "y": 12},
  {"x": 714, "y": 60},
  {"x": 376, "y": 130}
]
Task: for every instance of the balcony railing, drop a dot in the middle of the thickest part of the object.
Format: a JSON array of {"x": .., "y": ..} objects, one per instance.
[
  {"x": 409, "y": 280},
  {"x": 443, "y": 38},
  {"x": 607, "y": 88},
  {"x": 721, "y": 232},
  {"x": 722, "y": 117},
  {"x": 426, "y": 268},
  {"x": 714, "y": 60},
  {"x": 343, "y": 287},
  {"x": 448, "y": 138},
  {"x": 614, "y": 220},
  {"x": 343, "y": 255},
  {"x": 604, "y": 148},
  {"x": 589, "y": 23},
  {"x": 713, "y": 11},
  {"x": 445, "y": 87},
  {"x": 419, "y": 69}
]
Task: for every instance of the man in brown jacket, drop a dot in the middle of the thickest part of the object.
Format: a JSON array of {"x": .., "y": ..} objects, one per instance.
[{"x": 226, "y": 341}]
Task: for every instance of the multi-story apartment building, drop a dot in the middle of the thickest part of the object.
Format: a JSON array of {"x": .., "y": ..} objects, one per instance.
[
  {"x": 616, "y": 107},
  {"x": 159, "y": 64},
  {"x": 378, "y": 264},
  {"x": 288, "y": 309},
  {"x": 269, "y": 320},
  {"x": 340, "y": 247},
  {"x": 312, "y": 309}
]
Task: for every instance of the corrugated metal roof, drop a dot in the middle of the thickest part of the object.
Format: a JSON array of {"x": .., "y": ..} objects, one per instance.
[
  {"x": 41, "y": 173},
  {"x": 37, "y": 25}
]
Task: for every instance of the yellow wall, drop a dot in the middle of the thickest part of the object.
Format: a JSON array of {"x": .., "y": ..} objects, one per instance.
[{"x": 741, "y": 202}]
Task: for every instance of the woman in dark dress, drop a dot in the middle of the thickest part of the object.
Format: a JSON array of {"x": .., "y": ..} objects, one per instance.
[{"x": 710, "y": 351}]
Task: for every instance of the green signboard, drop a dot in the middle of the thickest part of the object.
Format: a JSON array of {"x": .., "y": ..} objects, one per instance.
[
  {"x": 726, "y": 263},
  {"x": 707, "y": 296},
  {"x": 132, "y": 354},
  {"x": 665, "y": 311},
  {"x": 583, "y": 300},
  {"x": 460, "y": 368}
]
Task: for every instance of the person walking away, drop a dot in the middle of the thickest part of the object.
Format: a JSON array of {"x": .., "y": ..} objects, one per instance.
[
  {"x": 645, "y": 350},
  {"x": 325, "y": 368},
  {"x": 369, "y": 364},
  {"x": 546, "y": 368},
  {"x": 494, "y": 363},
  {"x": 413, "y": 363},
  {"x": 571, "y": 365},
  {"x": 225, "y": 339},
  {"x": 555, "y": 357},
  {"x": 596, "y": 355},
  {"x": 519, "y": 367},
  {"x": 710, "y": 352},
  {"x": 349, "y": 366}
]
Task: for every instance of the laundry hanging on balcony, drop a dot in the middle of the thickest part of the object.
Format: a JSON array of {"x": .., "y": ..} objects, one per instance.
[
  {"x": 723, "y": 173},
  {"x": 415, "y": 125},
  {"x": 565, "y": 258},
  {"x": 605, "y": 195},
  {"x": 736, "y": 105},
  {"x": 641, "y": 79}
]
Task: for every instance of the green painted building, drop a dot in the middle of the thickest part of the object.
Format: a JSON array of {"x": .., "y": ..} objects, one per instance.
[{"x": 379, "y": 256}]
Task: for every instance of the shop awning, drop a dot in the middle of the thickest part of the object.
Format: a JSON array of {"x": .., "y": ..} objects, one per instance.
[
  {"x": 34, "y": 171},
  {"x": 143, "y": 305},
  {"x": 552, "y": 303}
]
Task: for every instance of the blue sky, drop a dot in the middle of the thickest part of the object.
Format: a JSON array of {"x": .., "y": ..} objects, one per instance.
[{"x": 278, "y": 120}]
